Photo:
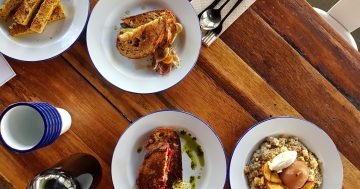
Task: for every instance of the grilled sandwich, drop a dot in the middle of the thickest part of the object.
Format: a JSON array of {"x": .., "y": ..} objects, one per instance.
[
  {"x": 7, "y": 7},
  {"x": 16, "y": 29},
  {"x": 162, "y": 166},
  {"x": 25, "y": 12},
  {"x": 43, "y": 15}
]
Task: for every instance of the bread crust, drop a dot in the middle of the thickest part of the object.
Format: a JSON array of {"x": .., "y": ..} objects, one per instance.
[{"x": 141, "y": 19}]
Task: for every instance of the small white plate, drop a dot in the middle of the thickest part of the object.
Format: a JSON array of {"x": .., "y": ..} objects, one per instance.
[
  {"x": 314, "y": 138},
  {"x": 56, "y": 38},
  {"x": 126, "y": 161},
  {"x": 136, "y": 75}
]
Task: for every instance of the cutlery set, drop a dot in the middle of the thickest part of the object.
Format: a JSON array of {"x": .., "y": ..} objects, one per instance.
[{"x": 212, "y": 22}]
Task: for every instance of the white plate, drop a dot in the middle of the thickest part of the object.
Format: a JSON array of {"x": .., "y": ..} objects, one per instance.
[
  {"x": 126, "y": 160},
  {"x": 135, "y": 75},
  {"x": 315, "y": 139},
  {"x": 56, "y": 38}
]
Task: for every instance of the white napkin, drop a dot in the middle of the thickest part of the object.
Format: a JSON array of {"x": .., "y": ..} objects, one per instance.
[
  {"x": 6, "y": 72},
  {"x": 200, "y": 5}
]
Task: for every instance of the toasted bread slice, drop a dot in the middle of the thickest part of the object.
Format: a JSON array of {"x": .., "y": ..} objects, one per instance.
[
  {"x": 18, "y": 30},
  {"x": 25, "y": 12},
  {"x": 43, "y": 15},
  {"x": 58, "y": 13},
  {"x": 7, "y": 7},
  {"x": 153, "y": 173},
  {"x": 141, "y": 19},
  {"x": 143, "y": 40},
  {"x": 168, "y": 135}
]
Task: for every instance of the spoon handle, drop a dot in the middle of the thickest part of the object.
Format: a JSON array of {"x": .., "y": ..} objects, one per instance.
[
  {"x": 229, "y": 13},
  {"x": 222, "y": 6},
  {"x": 211, "y": 6}
]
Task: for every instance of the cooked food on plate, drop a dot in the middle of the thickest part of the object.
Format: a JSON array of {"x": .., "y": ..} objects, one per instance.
[
  {"x": 43, "y": 15},
  {"x": 7, "y": 7},
  {"x": 283, "y": 163},
  {"x": 16, "y": 29},
  {"x": 151, "y": 34},
  {"x": 162, "y": 165},
  {"x": 31, "y": 16}
]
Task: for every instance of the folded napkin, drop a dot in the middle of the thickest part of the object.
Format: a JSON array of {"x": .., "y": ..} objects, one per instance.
[
  {"x": 6, "y": 72},
  {"x": 200, "y": 5}
]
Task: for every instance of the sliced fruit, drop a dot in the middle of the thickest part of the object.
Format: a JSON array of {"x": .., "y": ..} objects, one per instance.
[
  {"x": 266, "y": 171},
  {"x": 296, "y": 175},
  {"x": 168, "y": 60},
  {"x": 275, "y": 178},
  {"x": 309, "y": 185},
  {"x": 269, "y": 175},
  {"x": 270, "y": 185}
]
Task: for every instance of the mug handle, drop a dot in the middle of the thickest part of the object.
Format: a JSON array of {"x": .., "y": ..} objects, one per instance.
[{"x": 347, "y": 13}]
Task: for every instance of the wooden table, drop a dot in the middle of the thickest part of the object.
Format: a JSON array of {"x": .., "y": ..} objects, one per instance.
[{"x": 279, "y": 58}]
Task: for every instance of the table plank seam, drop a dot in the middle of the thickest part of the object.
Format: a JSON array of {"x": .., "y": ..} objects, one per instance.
[{"x": 94, "y": 87}]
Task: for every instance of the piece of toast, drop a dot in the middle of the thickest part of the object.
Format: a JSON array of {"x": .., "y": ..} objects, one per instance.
[
  {"x": 43, "y": 15},
  {"x": 169, "y": 135},
  {"x": 7, "y": 7},
  {"x": 25, "y": 12},
  {"x": 141, "y": 19},
  {"x": 143, "y": 40},
  {"x": 16, "y": 29}
]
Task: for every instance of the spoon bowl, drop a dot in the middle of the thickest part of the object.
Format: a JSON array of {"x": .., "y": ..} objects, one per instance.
[{"x": 210, "y": 19}]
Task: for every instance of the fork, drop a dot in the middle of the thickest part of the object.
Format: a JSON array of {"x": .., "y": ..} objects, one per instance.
[{"x": 211, "y": 35}]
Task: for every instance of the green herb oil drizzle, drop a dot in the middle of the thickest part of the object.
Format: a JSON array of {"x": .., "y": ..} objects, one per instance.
[{"x": 192, "y": 148}]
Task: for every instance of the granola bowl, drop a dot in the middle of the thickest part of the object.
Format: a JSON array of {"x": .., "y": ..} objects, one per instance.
[{"x": 256, "y": 164}]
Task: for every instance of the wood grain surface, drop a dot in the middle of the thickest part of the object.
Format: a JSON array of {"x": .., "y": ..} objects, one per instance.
[
  {"x": 279, "y": 58},
  {"x": 296, "y": 80}
]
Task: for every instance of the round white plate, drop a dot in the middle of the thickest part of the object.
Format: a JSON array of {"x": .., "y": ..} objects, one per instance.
[
  {"x": 56, "y": 38},
  {"x": 126, "y": 160},
  {"x": 136, "y": 75},
  {"x": 315, "y": 139}
]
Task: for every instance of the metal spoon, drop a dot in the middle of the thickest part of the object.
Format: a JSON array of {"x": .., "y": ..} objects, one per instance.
[{"x": 211, "y": 18}]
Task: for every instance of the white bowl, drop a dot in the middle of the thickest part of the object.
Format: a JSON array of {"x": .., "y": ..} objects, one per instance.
[
  {"x": 56, "y": 38},
  {"x": 314, "y": 138},
  {"x": 126, "y": 160},
  {"x": 135, "y": 75}
]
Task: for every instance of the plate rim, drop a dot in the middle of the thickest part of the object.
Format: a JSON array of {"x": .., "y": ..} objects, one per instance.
[
  {"x": 176, "y": 111},
  {"x": 62, "y": 51},
  {"x": 151, "y": 92},
  {"x": 282, "y": 117}
]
